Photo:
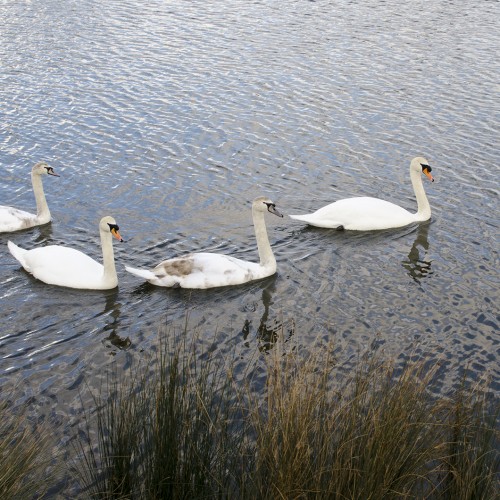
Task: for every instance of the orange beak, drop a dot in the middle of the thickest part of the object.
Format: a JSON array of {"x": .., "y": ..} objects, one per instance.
[
  {"x": 116, "y": 234},
  {"x": 428, "y": 174}
]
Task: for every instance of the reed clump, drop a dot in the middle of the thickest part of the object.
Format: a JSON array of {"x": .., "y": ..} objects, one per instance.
[
  {"x": 27, "y": 464},
  {"x": 171, "y": 430},
  {"x": 188, "y": 429},
  {"x": 379, "y": 433}
]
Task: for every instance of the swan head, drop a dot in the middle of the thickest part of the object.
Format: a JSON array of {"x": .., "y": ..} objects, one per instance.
[
  {"x": 421, "y": 165},
  {"x": 108, "y": 225},
  {"x": 42, "y": 168},
  {"x": 263, "y": 204}
]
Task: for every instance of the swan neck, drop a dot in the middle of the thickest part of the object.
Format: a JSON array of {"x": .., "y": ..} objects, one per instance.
[
  {"x": 263, "y": 246},
  {"x": 423, "y": 206},
  {"x": 108, "y": 258},
  {"x": 42, "y": 209}
]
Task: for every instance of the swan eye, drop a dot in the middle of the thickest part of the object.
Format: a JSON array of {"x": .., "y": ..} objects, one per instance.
[
  {"x": 270, "y": 205},
  {"x": 113, "y": 227},
  {"x": 426, "y": 167}
]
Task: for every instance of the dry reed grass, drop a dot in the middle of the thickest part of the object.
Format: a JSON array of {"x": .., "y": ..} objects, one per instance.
[{"x": 189, "y": 430}]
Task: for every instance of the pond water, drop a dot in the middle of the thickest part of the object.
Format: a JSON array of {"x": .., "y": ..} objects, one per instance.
[{"x": 173, "y": 116}]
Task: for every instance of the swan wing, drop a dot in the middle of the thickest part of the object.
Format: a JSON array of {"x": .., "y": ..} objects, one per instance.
[
  {"x": 13, "y": 219},
  {"x": 58, "y": 265},
  {"x": 361, "y": 214},
  {"x": 208, "y": 270},
  {"x": 201, "y": 271}
]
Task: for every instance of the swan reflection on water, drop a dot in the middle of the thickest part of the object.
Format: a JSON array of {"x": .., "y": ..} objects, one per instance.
[
  {"x": 268, "y": 332},
  {"x": 419, "y": 266},
  {"x": 44, "y": 236},
  {"x": 112, "y": 309}
]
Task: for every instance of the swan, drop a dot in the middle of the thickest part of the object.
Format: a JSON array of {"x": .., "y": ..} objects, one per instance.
[
  {"x": 64, "y": 266},
  {"x": 208, "y": 270},
  {"x": 13, "y": 219},
  {"x": 366, "y": 213}
]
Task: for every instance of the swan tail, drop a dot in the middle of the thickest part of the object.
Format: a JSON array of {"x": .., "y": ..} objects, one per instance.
[
  {"x": 141, "y": 273},
  {"x": 318, "y": 222},
  {"x": 17, "y": 252},
  {"x": 299, "y": 217}
]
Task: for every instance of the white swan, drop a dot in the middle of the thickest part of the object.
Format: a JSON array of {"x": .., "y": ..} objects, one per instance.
[
  {"x": 13, "y": 219},
  {"x": 365, "y": 213},
  {"x": 64, "y": 266},
  {"x": 208, "y": 270}
]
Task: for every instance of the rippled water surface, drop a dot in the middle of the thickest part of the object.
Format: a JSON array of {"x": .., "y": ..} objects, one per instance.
[{"x": 172, "y": 116}]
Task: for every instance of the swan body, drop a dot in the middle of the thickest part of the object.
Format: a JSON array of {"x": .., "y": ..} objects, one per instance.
[
  {"x": 13, "y": 219},
  {"x": 367, "y": 214},
  {"x": 208, "y": 270},
  {"x": 64, "y": 266}
]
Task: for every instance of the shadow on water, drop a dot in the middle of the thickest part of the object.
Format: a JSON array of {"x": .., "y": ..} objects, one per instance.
[
  {"x": 322, "y": 239},
  {"x": 198, "y": 297},
  {"x": 375, "y": 235}
]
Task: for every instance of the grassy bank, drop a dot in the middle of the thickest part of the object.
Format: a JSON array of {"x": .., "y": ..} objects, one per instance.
[
  {"x": 182, "y": 426},
  {"x": 189, "y": 430}
]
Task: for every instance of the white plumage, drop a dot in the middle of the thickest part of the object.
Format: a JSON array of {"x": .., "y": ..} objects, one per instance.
[
  {"x": 208, "y": 270},
  {"x": 366, "y": 213},
  {"x": 64, "y": 266},
  {"x": 13, "y": 219}
]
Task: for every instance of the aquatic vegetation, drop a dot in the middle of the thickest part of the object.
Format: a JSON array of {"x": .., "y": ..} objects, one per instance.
[
  {"x": 181, "y": 424},
  {"x": 186, "y": 427},
  {"x": 167, "y": 431},
  {"x": 28, "y": 463}
]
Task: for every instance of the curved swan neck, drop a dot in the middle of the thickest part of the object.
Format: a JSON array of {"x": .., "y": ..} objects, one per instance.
[
  {"x": 263, "y": 246},
  {"x": 108, "y": 258},
  {"x": 42, "y": 209},
  {"x": 423, "y": 206}
]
